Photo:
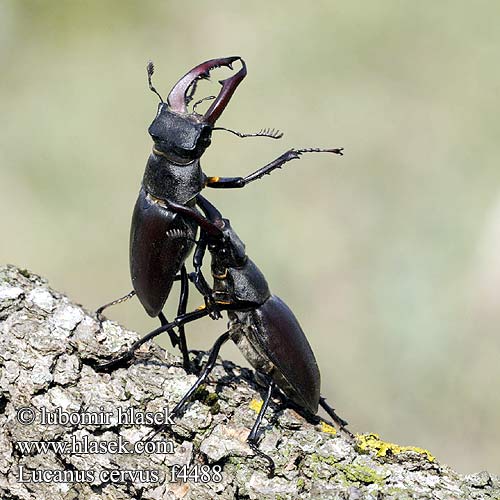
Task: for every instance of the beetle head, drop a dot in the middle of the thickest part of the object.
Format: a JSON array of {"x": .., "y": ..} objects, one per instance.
[
  {"x": 228, "y": 248},
  {"x": 182, "y": 136}
]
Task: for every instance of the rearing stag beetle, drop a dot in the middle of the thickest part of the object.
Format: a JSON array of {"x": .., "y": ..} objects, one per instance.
[
  {"x": 160, "y": 240},
  {"x": 261, "y": 324}
]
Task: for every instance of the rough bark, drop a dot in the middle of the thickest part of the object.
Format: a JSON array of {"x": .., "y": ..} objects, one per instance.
[{"x": 47, "y": 344}]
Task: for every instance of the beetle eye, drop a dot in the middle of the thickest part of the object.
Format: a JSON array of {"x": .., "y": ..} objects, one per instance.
[{"x": 205, "y": 137}]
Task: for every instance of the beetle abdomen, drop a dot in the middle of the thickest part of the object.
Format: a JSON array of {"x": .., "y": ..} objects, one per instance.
[
  {"x": 272, "y": 340},
  {"x": 160, "y": 241}
]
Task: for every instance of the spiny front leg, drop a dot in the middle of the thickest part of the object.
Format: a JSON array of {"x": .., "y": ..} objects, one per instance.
[{"x": 291, "y": 154}]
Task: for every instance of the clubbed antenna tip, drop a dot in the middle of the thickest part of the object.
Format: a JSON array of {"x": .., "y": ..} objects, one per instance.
[{"x": 150, "y": 68}]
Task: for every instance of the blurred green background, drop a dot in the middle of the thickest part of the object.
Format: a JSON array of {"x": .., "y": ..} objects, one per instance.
[{"x": 390, "y": 256}]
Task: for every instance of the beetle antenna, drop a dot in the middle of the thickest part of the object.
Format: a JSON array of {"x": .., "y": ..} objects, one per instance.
[
  {"x": 197, "y": 103},
  {"x": 263, "y": 132},
  {"x": 151, "y": 69}
]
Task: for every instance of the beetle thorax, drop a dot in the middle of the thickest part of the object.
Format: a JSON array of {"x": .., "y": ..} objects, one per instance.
[{"x": 168, "y": 181}]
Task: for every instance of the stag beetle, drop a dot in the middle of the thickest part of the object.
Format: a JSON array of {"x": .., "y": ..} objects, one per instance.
[
  {"x": 160, "y": 240},
  {"x": 261, "y": 324}
]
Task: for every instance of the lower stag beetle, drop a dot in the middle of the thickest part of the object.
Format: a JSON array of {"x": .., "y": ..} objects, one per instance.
[
  {"x": 160, "y": 240},
  {"x": 261, "y": 324}
]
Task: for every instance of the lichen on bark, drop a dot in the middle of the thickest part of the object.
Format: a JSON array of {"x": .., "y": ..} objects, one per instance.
[{"x": 47, "y": 345}]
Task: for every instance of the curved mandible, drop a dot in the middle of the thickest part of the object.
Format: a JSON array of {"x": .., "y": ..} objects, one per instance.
[
  {"x": 177, "y": 98},
  {"x": 228, "y": 87}
]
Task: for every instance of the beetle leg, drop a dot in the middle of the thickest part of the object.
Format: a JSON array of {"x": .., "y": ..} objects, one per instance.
[
  {"x": 100, "y": 310},
  {"x": 174, "y": 339},
  {"x": 179, "y": 407},
  {"x": 199, "y": 280},
  {"x": 340, "y": 422},
  {"x": 179, "y": 321},
  {"x": 129, "y": 295},
  {"x": 202, "y": 286},
  {"x": 239, "y": 182},
  {"x": 252, "y": 437},
  {"x": 181, "y": 310},
  {"x": 212, "y": 358}
]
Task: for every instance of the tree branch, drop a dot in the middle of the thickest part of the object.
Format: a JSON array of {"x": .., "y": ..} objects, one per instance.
[{"x": 47, "y": 344}]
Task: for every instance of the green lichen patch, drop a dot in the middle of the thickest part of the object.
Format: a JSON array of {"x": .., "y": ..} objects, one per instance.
[
  {"x": 207, "y": 398},
  {"x": 371, "y": 442},
  {"x": 360, "y": 473},
  {"x": 25, "y": 273},
  {"x": 318, "y": 458},
  {"x": 351, "y": 473}
]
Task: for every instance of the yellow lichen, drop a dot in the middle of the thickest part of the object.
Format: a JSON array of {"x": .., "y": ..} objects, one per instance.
[
  {"x": 255, "y": 405},
  {"x": 372, "y": 442},
  {"x": 328, "y": 428}
]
